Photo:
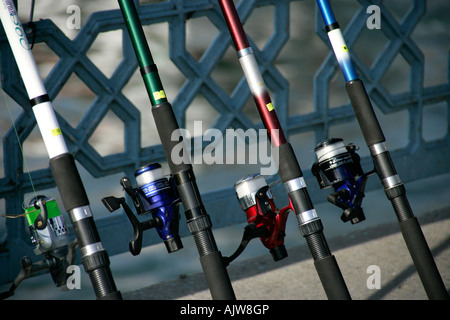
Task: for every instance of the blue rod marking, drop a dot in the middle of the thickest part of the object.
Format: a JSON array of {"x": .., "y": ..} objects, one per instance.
[
  {"x": 346, "y": 65},
  {"x": 327, "y": 12},
  {"x": 349, "y": 71}
]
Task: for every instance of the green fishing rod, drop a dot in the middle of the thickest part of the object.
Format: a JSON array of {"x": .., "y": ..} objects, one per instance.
[
  {"x": 384, "y": 166},
  {"x": 198, "y": 221}
]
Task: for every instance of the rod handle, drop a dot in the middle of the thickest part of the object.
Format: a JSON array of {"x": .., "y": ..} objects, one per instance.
[
  {"x": 219, "y": 282},
  {"x": 364, "y": 112},
  {"x": 423, "y": 259},
  {"x": 331, "y": 278},
  {"x": 171, "y": 138}
]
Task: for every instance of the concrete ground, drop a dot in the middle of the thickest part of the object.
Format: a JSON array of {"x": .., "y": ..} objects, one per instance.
[{"x": 295, "y": 277}]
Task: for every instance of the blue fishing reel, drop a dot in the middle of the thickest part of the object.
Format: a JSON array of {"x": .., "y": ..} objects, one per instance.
[
  {"x": 155, "y": 195},
  {"x": 338, "y": 166}
]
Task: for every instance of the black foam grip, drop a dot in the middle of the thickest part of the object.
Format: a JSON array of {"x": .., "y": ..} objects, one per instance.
[
  {"x": 168, "y": 130},
  {"x": 301, "y": 200},
  {"x": 86, "y": 231},
  {"x": 364, "y": 112},
  {"x": 217, "y": 277},
  {"x": 423, "y": 259},
  {"x": 188, "y": 191},
  {"x": 331, "y": 278},
  {"x": 384, "y": 165},
  {"x": 73, "y": 195},
  {"x": 288, "y": 167},
  {"x": 68, "y": 181}
]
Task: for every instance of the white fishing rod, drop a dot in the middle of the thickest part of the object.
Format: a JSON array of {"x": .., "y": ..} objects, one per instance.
[{"x": 73, "y": 195}]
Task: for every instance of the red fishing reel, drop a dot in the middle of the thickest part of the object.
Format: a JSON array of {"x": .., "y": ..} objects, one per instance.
[{"x": 265, "y": 220}]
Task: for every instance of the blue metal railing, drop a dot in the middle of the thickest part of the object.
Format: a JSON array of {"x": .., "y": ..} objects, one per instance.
[{"x": 222, "y": 205}]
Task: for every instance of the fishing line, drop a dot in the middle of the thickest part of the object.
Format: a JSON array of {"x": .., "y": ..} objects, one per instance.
[
  {"x": 25, "y": 162},
  {"x": 32, "y": 25},
  {"x": 14, "y": 216}
]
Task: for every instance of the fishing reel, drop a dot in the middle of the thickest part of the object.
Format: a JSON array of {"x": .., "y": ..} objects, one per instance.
[
  {"x": 48, "y": 231},
  {"x": 265, "y": 220},
  {"x": 338, "y": 166},
  {"x": 155, "y": 195}
]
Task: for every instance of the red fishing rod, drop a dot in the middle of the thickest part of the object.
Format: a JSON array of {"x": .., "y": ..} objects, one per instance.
[{"x": 290, "y": 173}]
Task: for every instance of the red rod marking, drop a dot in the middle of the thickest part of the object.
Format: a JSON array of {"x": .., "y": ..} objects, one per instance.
[
  {"x": 270, "y": 120},
  {"x": 234, "y": 24},
  {"x": 268, "y": 117}
]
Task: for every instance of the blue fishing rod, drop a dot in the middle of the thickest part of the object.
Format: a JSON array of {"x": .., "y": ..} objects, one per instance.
[{"x": 384, "y": 166}]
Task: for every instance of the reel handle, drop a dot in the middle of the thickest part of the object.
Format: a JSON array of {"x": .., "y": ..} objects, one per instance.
[
  {"x": 250, "y": 232},
  {"x": 41, "y": 220},
  {"x": 135, "y": 244}
]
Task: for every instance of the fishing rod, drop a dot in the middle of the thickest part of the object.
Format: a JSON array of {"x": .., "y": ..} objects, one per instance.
[
  {"x": 62, "y": 164},
  {"x": 198, "y": 220},
  {"x": 290, "y": 172},
  {"x": 384, "y": 166}
]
